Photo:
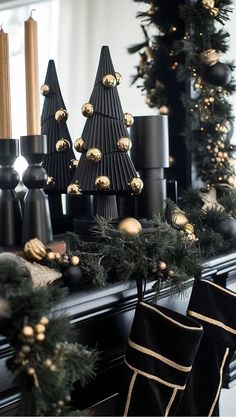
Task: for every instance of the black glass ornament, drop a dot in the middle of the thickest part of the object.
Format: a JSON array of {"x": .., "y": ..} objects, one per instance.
[
  {"x": 73, "y": 277},
  {"x": 218, "y": 74}
]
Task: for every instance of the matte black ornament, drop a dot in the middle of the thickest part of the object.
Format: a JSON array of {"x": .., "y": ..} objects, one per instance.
[
  {"x": 73, "y": 277},
  {"x": 218, "y": 74}
]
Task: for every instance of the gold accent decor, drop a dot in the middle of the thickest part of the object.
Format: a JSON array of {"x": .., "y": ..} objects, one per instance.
[
  {"x": 131, "y": 386},
  {"x": 171, "y": 401},
  {"x": 220, "y": 382},
  {"x": 211, "y": 321}
]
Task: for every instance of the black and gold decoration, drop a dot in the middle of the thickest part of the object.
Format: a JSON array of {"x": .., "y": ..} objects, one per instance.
[
  {"x": 105, "y": 168},
  {"x": 188, "y": 46},
  {"x": 45, "y": 363},
  {"x": 60, "y": 160}
]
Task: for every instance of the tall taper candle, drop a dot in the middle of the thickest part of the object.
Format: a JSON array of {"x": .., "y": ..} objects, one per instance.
[
  {"x": 32, "y": 77},
  {"x": 5, "y": 102}
]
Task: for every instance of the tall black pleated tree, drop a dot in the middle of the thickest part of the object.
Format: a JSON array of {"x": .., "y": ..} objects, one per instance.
[
  {"x": 60, "y": 160},
  {"x": 105, "y": 169}
]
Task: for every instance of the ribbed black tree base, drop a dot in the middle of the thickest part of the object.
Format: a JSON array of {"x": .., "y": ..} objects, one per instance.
[{"x": 106, "y": 206}]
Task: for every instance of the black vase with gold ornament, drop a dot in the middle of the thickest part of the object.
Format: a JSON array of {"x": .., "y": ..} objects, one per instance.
[{"x": 150, "y": 154}]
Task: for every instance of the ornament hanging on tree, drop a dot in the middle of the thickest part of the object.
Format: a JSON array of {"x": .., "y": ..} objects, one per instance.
[
  {"x": 215, "y": 72},
  {"x": 130, "y": 226}
]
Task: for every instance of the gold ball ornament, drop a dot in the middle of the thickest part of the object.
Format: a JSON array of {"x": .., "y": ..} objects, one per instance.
[
  {"x": 188, "y": 228},
  {"x": 214, "y": 11},
  {"x": 118, "y": 77},
  {"x": 208, "y": 4},
  {"x": 179, "y": 218},
  {"x": 130, "y": 226},
  {"x": 163, "y": 110},
  {"x": 87, "y": 110},
  {"x": 209, "y": 57},
  {"x": 61, "y": 115},
  {"x": 34, "y": 249},
  {"x": 50, "y": 255},
  {"x": 74, "y": 189},
  {"x": 74, "y": 260},
  {"x": 50, "y": 182},
  {"x": 109, "y": 80},
  {"x": 47, "y": 362},
  {"x": 79, "y": 145},
  {"x": 74, "y": 164},
  {"x": 62, "y": 145},
  {"x": 45, "y": 90},
  {"x": 30, "y": 371},
  {"x": 171, "y": 272},
  {"x": 162, "y": 265},
  {"x": 128, "y": 119},
  {"x": 94, "y": 155},
  {"x": 40, "y": 337},
  {"x": 124, "y": 144},
  {"x": 39, "y": 328},
  {"x": 136, "y": 185},
  {"x": 44, "y": 320},
  {"x": 102, "y": 183},
  {"x": 28, "y": 331}
]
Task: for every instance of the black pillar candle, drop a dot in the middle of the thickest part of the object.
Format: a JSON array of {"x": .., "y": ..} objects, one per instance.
[
  {"x": 10, "y": 209},
  {"x": 150, "y": 155}
]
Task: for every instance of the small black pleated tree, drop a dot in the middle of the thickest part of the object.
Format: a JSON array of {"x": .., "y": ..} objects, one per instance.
[
  {"x": 105, "y": 168},
  {"x": 60, "y": 160}
]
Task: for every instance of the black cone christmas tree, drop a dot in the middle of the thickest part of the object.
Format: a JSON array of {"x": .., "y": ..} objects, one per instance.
[
  {"x": 105, "y": 168},
  {"x": 60, "y": 160}
]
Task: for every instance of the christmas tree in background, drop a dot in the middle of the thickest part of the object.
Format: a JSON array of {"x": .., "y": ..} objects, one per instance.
[
  {"x": 190, "y": 39},
  {"x": 105, "y": 168},
  {"x": 60, "y": 161}
]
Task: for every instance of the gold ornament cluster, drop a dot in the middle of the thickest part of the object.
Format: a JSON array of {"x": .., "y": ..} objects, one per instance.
[
  {"x": 209, "y": 57},
  {"x": 210, "y": 5},
  {"x": 180, "y": 220}
]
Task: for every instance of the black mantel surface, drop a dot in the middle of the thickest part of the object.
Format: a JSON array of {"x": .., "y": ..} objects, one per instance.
[{"x": 103, "y": 317}]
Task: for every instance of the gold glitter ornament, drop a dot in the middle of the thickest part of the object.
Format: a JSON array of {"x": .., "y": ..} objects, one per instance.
[
  {"x": 136, "y": 185},
  {"x": 109, "y": 80},
  {"x": 128, "y": 119},
  {"x": 34, "y": 249},
  {"x": 62, "y": 145},
  {"x": 61, "y": 115},
  {"x": 45, "y": 90},
  {"x": 209, "y": 57},
  {"x": 79, "y": 145},
  {"x": 118, "y": 77},
  {"x": 94, "y": 155},
  {"x": 28, "y": 331},
  {"x": 124, "y": 144},
  {"x": 102, "y": 183},
  {"x": 87, "y": 110},
  {"x": 130, "y": 226},
  {"x": 74, "y": 189}
]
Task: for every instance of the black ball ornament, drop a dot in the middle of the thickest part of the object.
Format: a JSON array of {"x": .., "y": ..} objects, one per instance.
[
  {"x": 218, "y": 74},
  {"x": 73, "y": 276}
]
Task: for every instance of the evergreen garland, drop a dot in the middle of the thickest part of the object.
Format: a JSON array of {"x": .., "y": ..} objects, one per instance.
[
  {"x": 184, "y": 31},
  {"x": 45, "y": 364}
]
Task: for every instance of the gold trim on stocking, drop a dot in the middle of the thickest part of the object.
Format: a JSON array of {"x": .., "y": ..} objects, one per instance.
[
  {"x": 171, "y": 402},
  {"x": 211, "y": 321},
  {"x": 221, "y": 288},
  {"x": 220, "y": 383},
  {"x": 158, "y": 356},
  {"x": 131, "y": 386}
]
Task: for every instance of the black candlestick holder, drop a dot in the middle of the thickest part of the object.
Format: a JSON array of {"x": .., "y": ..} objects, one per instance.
[
  {"x": 10, "y": 209},
  {"x": 36, "y": 213}
]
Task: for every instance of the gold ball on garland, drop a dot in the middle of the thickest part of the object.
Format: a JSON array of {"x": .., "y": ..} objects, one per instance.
[
  {"x": 87, "y": 110},
  {"x": 118, "y": 77},
  {"x": 45, "y": 90},
  {"x": 136, "y": 185},
  {"x": 128, "y": 119},
  {"x": 109, "y": 80},
  {"x": 79, "y": 145},
  {"x": 50, "y": 255},
  {"x": 209, "y": 57},
  {"x": 74, "y": 189},
  {"x": 214, "y": 11},
  {"x": 171, "y": 272},
  {"x": 124, "y": 144},
  {"x": 34, "y": 249},
  {"x": 74, "y": 260},
  {"x": 102, "y": 183},
  {"x": 74, "y": 164},
  {"x": 208, "y": 3},
  {"x": 179, "y": 218},
  {"x": 50, "y": 182},
  {"x": 163, "y": 110},
  {"x": 25, "y": 349},
  {"x": 162, "y": 265},
  {"x": 44, "y": 320},
  {"x": 30, "y": 371},
  {"x": 47, "y": 362},
  {"x": 61, "y": 115},
  {"x": 40, "y": 337},
  {"x": 28, "y": 331},
  {"x": 130, "y": 226},
  {"x": 39, "y": 328},
  {"x": 62, "y": 145},
  {"x": 94, "y": 155},
  {"x": 188, "y": 228}
]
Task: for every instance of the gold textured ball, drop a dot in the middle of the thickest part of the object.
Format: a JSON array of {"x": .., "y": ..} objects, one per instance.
[
  {"x": 62, "y": 145},
  {"x": 130, "y": 225},
  {"x": 79, "y": 145},
  {"x": 39, "y": 328},
  {"x": 45, "y": 90},
  {"x": 118, "y": 77},
  {"x": 44, "y": 320},
  {"x": 136, "y": 185},
  {"x": 40, "y": 337},
  {"x": 28, "y": 331},
  {"x": 34, "y": 249},
  {"x": 188, "y": 228},
  {"x": 61, "y": 115},
  {"x": 109, "y": 80},
  {"x": 74, "y": 260},
  {"x": 73, "y": 164},
  {"x": 87, "y": 110},
  {"x": 74, "y": 189},
  {"x": 162, "y": 265},
  {"x": 94, "y": 155},
  {"x": 128, "y": 119},
  {"x": 102, "y": 183},
  {"x": 163, "y": 110},
  {"x": 209, "y": 57},
  {"x": 124, "y": 144},
  {"x": 179, "y": 218}
]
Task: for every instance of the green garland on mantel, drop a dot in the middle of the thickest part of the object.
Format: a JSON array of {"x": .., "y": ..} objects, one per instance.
[{"x": 183, "y": 44}]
